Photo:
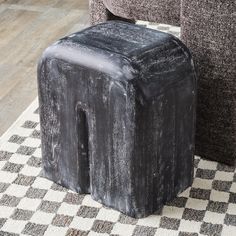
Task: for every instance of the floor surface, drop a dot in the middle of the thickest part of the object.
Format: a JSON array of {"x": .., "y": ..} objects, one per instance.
[
  {"x": 34, "y": 206},
  {"x": 27, "y": 27}
]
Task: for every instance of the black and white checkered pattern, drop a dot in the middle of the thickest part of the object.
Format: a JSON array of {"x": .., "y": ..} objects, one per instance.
[
  {"x": 162, "y": 27},
  {"x": 32, "y": 205}
]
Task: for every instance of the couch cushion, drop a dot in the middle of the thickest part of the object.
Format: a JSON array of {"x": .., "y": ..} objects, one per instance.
[{"x": 162, "y": 11}]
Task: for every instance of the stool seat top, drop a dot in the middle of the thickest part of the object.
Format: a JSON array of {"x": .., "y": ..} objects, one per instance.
[
  {"x": 127, "y": 52},
  {"x": 120, "y": 37}
]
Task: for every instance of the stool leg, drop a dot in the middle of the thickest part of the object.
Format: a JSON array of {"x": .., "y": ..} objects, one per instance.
[
  {"x": 207, "y": 29},
  {"x": 64, "y": 128}
]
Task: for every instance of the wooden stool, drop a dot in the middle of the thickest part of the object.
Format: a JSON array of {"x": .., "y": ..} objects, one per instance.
[{"x": 117, "y": 112}]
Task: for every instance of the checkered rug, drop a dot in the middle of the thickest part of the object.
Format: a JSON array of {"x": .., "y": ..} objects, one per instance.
[{"x": 32, "y": 205}]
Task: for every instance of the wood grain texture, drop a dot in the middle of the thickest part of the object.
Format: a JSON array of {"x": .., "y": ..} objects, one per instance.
[{"x": 27, "y": 27}]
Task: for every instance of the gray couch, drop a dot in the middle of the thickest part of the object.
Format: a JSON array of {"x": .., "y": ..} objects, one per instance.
[{"x": 136, "y": 9}]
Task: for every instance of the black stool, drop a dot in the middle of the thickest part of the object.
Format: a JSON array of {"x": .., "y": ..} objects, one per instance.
[{"x": 117, "y": 111}]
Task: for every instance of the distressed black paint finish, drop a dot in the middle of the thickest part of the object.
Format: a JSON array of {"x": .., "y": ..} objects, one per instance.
[{"x": 117, "y": 111}]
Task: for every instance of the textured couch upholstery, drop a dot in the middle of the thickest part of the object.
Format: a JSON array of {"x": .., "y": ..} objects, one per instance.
[
  {"x": 208, "y": 29},
  {"x": 137, "y": 9}
]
